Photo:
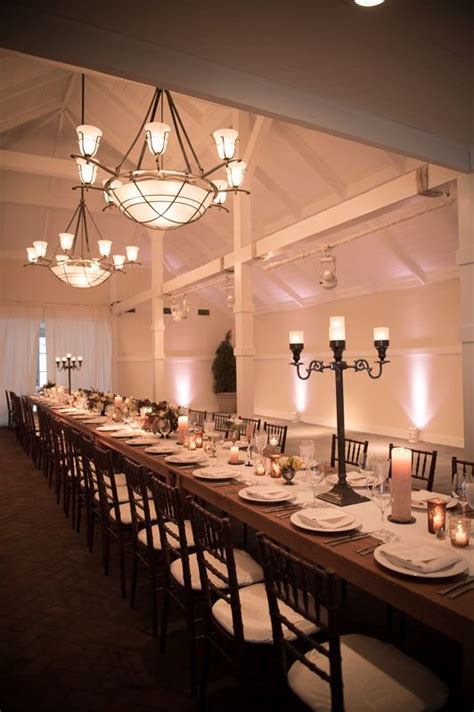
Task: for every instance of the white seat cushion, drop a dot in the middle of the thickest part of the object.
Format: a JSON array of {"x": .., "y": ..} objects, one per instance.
[
  {"x": 122, "y": 493},
  {"x": 256, "y": 616},
  {"x": 247, "y": 569},
  {"x": 376, "y": 675},
  {"x": 126, "y": 514},
  {"x": 156, "y": 534},
  {"x": 120, "y": 479}
]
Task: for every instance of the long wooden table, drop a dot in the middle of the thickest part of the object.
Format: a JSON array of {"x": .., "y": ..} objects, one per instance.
[{"x": 417, "y": 598}]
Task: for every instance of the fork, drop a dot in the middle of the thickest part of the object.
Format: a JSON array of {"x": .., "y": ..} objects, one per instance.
[
  {"x": 461, "y": 590},
  {"x": 454, "y": 586},
  {"x": 367, "y": 549}
]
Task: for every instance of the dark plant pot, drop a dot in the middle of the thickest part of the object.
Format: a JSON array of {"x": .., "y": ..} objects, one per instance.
[{"x": 227, "y": 402}]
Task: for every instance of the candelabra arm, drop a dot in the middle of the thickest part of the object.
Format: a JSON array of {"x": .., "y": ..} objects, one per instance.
[
  {"x": 314, "y": 366},
  {"x": 361, "y": 364}
]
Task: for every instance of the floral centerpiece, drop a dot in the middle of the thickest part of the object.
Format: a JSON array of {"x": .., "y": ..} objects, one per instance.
[
  {"x": 98, "y": 400},
  {"x": 156, "y": 412},
  {"x": 288, "y": 466},
  {"x": 235, "y": 427}
]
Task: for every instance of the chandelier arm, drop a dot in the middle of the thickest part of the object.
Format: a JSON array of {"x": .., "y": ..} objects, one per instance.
[
  {"x": 178, "y": 133},
  {"x": 88, "y": 212},
  {"x": 84, "y": 231},
  {"x": 158, "y": 94},
  {"x": 72, "y": 219},
  {"x": 99, "y": 165},
  {"x": 142, "y": 126},
  {"x": 83, "y": 96}
]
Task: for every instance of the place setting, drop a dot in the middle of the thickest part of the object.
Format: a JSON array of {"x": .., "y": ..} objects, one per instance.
[
  {"x": 186, "y": 457},
  {"x": 420, "y": 559},
  {"x": 218, "y": 473}
]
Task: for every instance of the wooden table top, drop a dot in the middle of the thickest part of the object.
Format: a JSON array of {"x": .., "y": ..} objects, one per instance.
[{"x": 418, "y": 598}]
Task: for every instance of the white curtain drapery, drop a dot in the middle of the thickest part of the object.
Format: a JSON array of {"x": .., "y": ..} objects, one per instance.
[
  {"x": 81, "y": 331},
  {"x": 19, "y": 331}
]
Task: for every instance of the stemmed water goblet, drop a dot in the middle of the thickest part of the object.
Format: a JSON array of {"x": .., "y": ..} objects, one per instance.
[
  {"x": 307, "y": 453},
  {"x": 459, "y": 490},
  {"x": 380, "y": 493},
  {"x": 261, "y": 440},
  {"x": 164, "y": 426}
]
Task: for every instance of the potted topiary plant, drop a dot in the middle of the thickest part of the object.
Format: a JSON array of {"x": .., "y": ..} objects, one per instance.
[{"x": 224, "y": 373}]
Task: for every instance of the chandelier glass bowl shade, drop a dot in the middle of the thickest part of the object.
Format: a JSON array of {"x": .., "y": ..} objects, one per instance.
[
  {"x": 160, "y": 198},
  {"x": 81, "y": 270}
]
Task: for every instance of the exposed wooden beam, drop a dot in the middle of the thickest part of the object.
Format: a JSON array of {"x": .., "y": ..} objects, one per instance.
[
  {"x": 36, "y": 112},
  {"x": 294, "y": 296},
  {"x": 275, "y": 189},
  {"x": 403, "y": 256},
  {"x": 38, "y": 165},
  {"x": 134, "y": 301}
]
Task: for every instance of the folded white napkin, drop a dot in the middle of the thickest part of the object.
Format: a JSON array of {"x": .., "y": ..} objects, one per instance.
[
  {"x": 162, "y": 447},
  {"x": 269, "y": 493},
  {"x": 326, "y": 518},
  {"x": 109, "y": 428},
  {"x": 217, "y": 471},
  {"x": 424, "y": 558},
  {"x": 186, "y": 457},
  {"x": 421, "y": 497}
]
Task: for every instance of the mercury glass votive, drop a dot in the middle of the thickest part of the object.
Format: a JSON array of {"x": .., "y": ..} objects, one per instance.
[
  {"x": 275, "y": 467},
  {"x": 198, "y": 439},
  {"x": 459, "y": 530},
  {"x": 436, "y": 514},
  {"x": 260, "y": 466}
]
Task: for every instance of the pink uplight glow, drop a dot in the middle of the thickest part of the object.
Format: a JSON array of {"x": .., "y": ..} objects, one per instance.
[
  {"x": 182, "y": 385},
  {"x": 300, "y": 393},
  {"x": 420, "y": 412}
]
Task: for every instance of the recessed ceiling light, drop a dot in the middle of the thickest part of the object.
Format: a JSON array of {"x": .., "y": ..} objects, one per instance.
[{"x": 368, "y": 3}]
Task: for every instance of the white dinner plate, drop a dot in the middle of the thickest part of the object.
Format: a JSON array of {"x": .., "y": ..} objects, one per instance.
[
  {"x": 421, "y": 503},
  {"x": 295, "y": 519},
  {"x": 217, "y": 472},
  {"x": 355, "y": 483},
  {"x": 144, "y": 440},
  {"x": 453, "y": 570},
  {"x": 162, "y": 449},
  {"x": 266, "y": 500},
  {"x": 184, "y": 459},
  {"x": 121, "y": 434},
  {"x": 91, "y": 421},
  {"x": 109, "y": 428}
]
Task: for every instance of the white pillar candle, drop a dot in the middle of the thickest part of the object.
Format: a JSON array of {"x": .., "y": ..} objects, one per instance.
[
  {"x": 381, "y": 333},
  {"x": 182, "y": 428},
  {"x": 337, "y": 328},
  {"x": 401, "y": 484},
  {"x": 118, "y": 401},
  {"x": 68, "y": 355},
  {"x": 234, "y": 454},
  {"x": 296, "y": 337}
]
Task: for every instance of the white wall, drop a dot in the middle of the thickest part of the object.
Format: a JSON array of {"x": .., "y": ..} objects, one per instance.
[{"x": 421, "y": 386}]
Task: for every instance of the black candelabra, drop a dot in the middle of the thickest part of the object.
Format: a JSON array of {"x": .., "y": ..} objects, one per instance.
[
  {"x": 342, "y": 493},
  {"x": 69, "y": 363}
]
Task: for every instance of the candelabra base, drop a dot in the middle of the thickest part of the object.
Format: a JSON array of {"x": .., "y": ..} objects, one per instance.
[{"x": 342, "y": 495}]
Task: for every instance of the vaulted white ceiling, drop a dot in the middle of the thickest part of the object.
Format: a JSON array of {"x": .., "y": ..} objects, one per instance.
[{"x": 295, "y": 173}]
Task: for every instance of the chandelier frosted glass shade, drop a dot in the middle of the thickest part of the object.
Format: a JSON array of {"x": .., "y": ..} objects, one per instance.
[
  {"x": 162, "y": 200},
  {"x": 80, "y": 273}
]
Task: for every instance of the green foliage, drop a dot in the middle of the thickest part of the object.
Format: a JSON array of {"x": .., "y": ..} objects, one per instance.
[{"x": 223, "y": 367}]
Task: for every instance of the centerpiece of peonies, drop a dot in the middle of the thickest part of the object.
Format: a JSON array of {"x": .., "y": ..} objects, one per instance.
[
  {"x": 156, "y": 412},
  {"x": 235, "y": 427},
  {"x": 98, "y": 400},
  {"x": 290, "y": 463}
]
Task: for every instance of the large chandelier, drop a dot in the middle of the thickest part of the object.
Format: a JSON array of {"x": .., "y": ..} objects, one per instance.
[
  {"x": 79, "y": 268},
  {"x": 160, "y": 198}
]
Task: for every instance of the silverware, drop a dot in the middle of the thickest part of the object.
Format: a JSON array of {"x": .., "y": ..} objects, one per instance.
[
  {"x": 279, "y": 508},
  {"x": 367, "y": 549},
  {"x": 460, "y": 591},
  {"x": 286, "y": 515},
  {"x": 454, "y": 586},
  {"x": 346, "y": 539}
]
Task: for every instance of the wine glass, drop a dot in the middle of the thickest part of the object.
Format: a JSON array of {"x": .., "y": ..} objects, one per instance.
[
  {"x": 261, "y": 440},
  {"x": 469, "y": 490},
  {"x": 458, "y": 490},
  {"x": 209, "y": 426},
  {"x": 317, "y": 474},
  {"x": 218, "y": 443},
  {"x": 307, "y": 453},
  {"x": 380, "y": 492},
  {"x": 164, "y": 426}
]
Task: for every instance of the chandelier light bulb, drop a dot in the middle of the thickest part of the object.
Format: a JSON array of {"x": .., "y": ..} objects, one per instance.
[
  {"x": 40, "y": 246},
  {"x": 66, "y": 240},
  {"x": 157, "y": 135},
  {"x": 88, "y": 138},
  {"x": 221, "y": 196},
  {"x": 235, "y": 173},
  {"x": 119, "y": 261},
  {"x": 104, "y": 247},
  {"x": 87, "y": 171},
  {"x": 226, "y": 140},
  {"x": 31, "y": 254},
  {"x": 132, "y": 253}
]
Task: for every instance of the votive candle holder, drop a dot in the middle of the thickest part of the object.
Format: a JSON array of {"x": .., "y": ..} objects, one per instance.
[
  {"x": 436, "y": 514},
  {"x": 275, "y": 467},
  {"x": 459, "y": 531}
]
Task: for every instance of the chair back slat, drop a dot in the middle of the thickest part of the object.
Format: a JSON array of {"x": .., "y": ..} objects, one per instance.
[
  {"x": 198, "y": 416},
  {"x": 277, "y": 431},
  {"x": 213, "y": 542},
  {"x": 139, "y": 500},
  {"x": 221, "y": 422},
  {"x": 313, "y": 593},
  {"x": 423, "y": 465},
  {"x": 108, "y": 494},
  {"x": 251, "y": 425},
  {"x": 356, "y": 450},
  {"x": 463, "y": 467}
]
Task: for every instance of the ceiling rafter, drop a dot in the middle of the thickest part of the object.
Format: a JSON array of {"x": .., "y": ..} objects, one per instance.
[
  {"x": 403, "y": 256},
  {"x": 33, "y": 83},
  {"x": 275, "y": 188},
  {"x": 26, "y": 117},
  {"x": 313, "y": 160}
]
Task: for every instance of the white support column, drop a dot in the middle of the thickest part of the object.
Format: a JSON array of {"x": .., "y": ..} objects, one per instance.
[
  {"x": 465, "y": 260},
  {"x": 115, "y": 333},
  {"x": 157, "y": 319},
  {"x": 244, "y": 308}
]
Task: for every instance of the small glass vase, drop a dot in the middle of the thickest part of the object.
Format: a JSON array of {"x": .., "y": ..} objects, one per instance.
[
  {"x": 234, "y": 435},
  {"x": 288, "y": 474}
]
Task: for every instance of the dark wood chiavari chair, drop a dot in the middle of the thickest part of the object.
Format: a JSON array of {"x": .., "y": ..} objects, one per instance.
[
  {"x": 60, "y": 457},
  {"x": 10, "y": 423},
  {"x": 197, "y": 416},
  {"x": 180, "y": 585},
  {"x": 31, "y": 429},
  {"x": 79, "y": 494},
  {"x": 356, "y": 450},
  {"x": 423, "y": 465},
  {"x": 354, "y": 667},
  {"x": 20, "y": 426},
  {"x": 277, "y": 431},
  {"x": 463, "y": 467},
  {"x": 220, "y": 422},
  {"x": 93, "y": 506},
  {"x": 236, "y": 604},
  {"x": 251, "y": 425},
  {"x": 146, "y": 535}
]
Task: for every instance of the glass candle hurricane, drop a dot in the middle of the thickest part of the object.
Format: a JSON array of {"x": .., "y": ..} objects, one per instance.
[
  {"x": 459, "y": 530},
  {"x": 260, "y": 467},
  {"x": 436, "y": 514},
  {"x": 275, "y": 468}
]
